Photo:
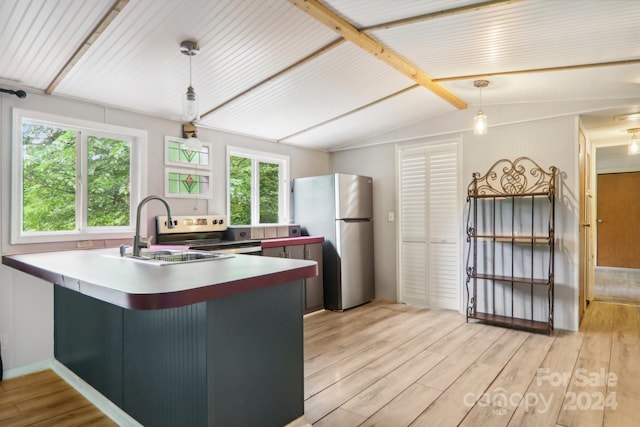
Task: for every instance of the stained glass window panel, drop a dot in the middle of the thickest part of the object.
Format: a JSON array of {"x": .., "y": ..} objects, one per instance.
[
  {"x": 187, "y": 184},
  {"x": 177, "y": 154}
]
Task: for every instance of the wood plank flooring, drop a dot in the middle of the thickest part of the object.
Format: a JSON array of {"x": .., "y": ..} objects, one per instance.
[
  {"x": 45, "y": 399},
  {"x": 393, "y": 365},
  {"x": 620, "y": 285}
]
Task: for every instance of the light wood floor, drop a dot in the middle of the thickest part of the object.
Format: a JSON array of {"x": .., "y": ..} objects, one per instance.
[
  {"x": 393, "y": 365},
  {"x": 617, "y": 285},
  {"x": 45, "y": 399}
]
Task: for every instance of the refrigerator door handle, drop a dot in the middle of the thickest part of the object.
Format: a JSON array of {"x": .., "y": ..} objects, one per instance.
[{"x": 356, "y": 220}]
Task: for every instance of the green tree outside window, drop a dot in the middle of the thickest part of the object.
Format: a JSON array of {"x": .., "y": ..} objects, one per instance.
[{"x": 50, "y": 173}]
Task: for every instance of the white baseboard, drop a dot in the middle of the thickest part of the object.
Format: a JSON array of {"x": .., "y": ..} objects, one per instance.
[
  {"x": 27, "y": 369},
  {"x": 109, "y": 408}
]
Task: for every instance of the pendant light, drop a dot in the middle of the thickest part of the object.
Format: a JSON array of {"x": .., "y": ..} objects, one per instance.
[
  {"x": 190, "y": 100},
  {"x": 480, "y": 120},
  {"x": 634, "y": 144}
]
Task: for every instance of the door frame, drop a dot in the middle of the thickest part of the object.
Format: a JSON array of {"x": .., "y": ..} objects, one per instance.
[{"x": 594, "y": 202}]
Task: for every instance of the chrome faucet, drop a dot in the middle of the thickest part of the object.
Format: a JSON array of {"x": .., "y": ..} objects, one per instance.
[{"x": 138, "y": 243}]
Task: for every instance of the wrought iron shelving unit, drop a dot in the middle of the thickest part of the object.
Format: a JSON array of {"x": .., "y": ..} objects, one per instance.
[{"x": 511, "y": 245}]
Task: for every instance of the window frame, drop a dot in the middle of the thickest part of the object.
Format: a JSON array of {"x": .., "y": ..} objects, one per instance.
[
  {"x": 283, "y": 189},
  {"x": 84, "y": 129}
]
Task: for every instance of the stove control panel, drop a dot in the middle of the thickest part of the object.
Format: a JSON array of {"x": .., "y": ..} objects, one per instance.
[{"x": 192, "y": 224}]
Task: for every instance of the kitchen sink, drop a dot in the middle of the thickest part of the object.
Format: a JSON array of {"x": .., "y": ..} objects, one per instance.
[{"x": 168, "y": 257}]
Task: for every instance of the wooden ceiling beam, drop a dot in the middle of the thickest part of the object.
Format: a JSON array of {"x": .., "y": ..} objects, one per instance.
[
  {"x": 286, "y": 70},
  {"x": 438, "y": 14},
  {"x": 86, "y": 44},
  {"x": 348, "y": 113},
  {"x": 539, "y": 70},
  {"x": 349, "y": 32}
]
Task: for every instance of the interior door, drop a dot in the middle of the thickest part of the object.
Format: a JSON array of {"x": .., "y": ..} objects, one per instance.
[
  {"x": 619, "y": 220},
  {"x": 429, "y": 264}
]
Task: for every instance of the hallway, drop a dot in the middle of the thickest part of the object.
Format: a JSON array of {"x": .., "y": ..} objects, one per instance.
[{"x": 617, "y": 285}]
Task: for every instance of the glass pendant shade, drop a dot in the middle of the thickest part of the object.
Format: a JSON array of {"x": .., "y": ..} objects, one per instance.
[
  {"x": 480, "y": 124},
  {"x": 634, "y": 146},
  {"x": 193, "y": 144},
  {"x": 190, "y": 105},
  {"x": 190, "y": 135}
]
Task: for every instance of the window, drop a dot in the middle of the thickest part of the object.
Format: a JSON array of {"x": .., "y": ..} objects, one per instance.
[
  {"x": 258, "y": 190},
  {"x": 73, "y": 179}
]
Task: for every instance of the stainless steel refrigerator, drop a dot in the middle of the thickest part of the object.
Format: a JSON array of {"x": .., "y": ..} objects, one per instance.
[{"x": 339, "y": 207}]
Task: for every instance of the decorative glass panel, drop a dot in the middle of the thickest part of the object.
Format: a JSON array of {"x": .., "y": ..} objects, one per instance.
[
  {"x": 187, "y": 183},
  {"x": 177, "y": 154}
]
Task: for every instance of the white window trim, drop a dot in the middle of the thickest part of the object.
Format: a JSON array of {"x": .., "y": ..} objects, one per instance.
[
  {"x": 138, "y": 182},
  {"x": 283, "y": 194}
]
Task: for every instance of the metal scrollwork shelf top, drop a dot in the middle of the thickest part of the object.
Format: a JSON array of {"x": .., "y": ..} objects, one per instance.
[{"x": 512, "y": 178}]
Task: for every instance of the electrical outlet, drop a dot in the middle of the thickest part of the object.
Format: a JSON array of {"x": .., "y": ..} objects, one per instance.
[
  {"x": 4, "y": 341},
  {"x": 391, "y": 217}
]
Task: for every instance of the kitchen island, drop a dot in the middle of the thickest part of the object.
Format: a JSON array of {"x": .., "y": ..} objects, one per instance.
[{"x": 216, "y": 342}]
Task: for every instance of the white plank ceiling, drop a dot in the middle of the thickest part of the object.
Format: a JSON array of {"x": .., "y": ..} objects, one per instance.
[{"x": 268, "y": 69}]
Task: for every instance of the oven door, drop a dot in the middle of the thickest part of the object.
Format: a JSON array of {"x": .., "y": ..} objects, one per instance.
[
  {"x": 247, "y": 250},
  {"x": 231, "y": 249}
]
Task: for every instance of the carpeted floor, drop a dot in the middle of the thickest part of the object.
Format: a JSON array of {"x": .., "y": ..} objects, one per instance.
[{"x": 617, "y": 285}]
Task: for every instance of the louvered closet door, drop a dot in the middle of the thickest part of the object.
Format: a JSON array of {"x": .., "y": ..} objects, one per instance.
[{"x": 429, "y": 227}]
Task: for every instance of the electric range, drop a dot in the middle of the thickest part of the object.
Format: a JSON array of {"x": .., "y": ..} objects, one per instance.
[{"x": 204, "y": 233}]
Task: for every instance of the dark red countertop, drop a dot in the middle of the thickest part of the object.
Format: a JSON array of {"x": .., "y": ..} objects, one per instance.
[
  {"x": 133, "y": 284},
  {"x": 289, "y": 241}
]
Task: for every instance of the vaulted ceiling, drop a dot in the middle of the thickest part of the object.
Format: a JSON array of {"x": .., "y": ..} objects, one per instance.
[{"x": 321, "y": 74}]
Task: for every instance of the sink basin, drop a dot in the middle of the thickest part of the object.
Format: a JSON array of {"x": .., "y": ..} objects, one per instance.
[{"x": 166, "y": 257}]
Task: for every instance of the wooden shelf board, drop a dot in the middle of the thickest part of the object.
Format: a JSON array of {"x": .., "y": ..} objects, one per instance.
[
  {"x": 495, "y": 319},
  {"x": 514, "y": 279}
]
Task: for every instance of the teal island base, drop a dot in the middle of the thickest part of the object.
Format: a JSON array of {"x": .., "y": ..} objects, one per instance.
[{"x": 231, "y": 361}]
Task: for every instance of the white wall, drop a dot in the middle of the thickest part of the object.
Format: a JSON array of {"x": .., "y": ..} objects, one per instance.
[
  {"x": 378, "y": 163},
  {"x": 614, "y": 159},
  {"x": 549, "y": 142},
  {"x": 26, "y": 303}
]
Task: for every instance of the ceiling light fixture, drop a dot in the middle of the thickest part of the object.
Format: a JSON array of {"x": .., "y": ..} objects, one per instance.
[
  {"x": 634, "y": 144},
  {"x": 480, "y": 120},
  {"x": 190, "y": 100},
  {"x": 625, "y": 117}
]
